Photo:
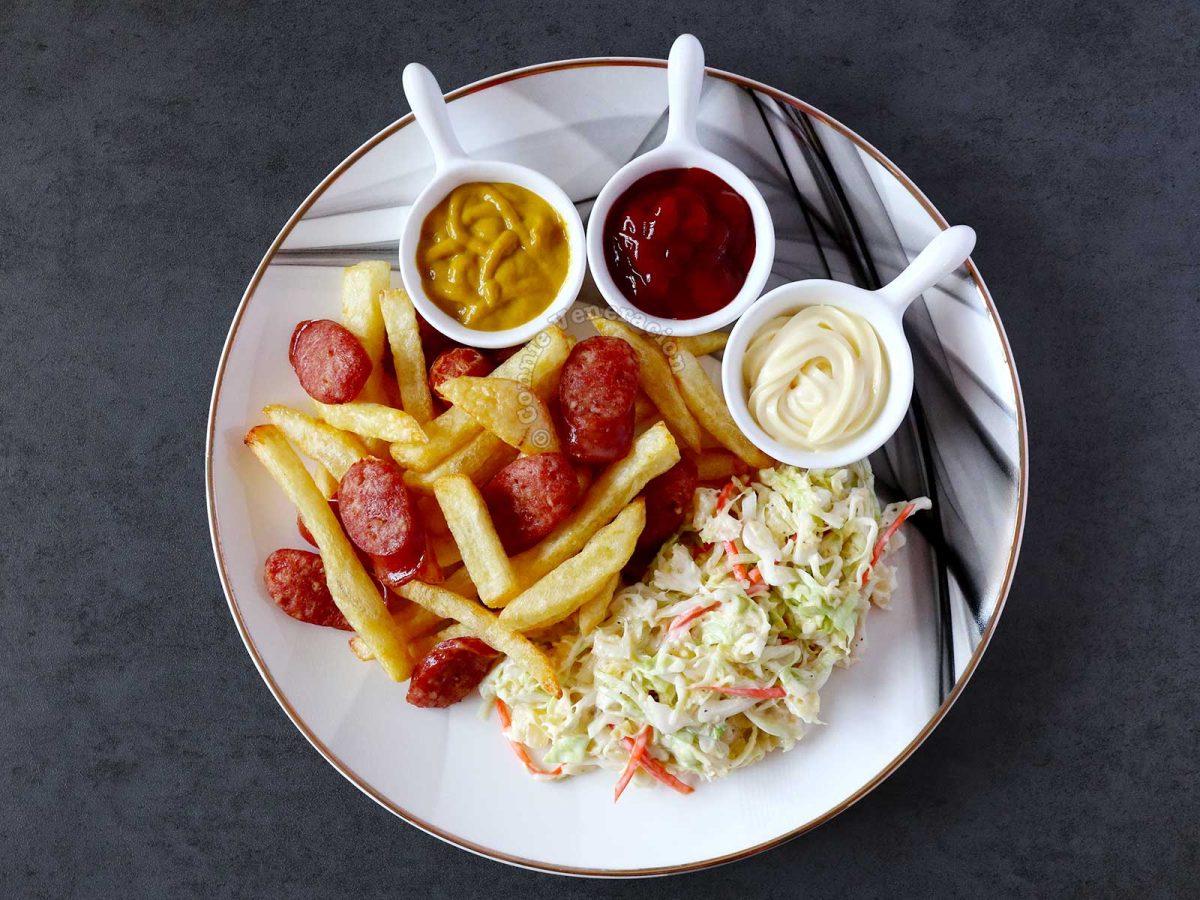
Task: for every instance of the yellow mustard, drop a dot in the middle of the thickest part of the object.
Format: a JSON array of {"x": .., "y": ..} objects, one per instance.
[{"x": 493, "y": 256}]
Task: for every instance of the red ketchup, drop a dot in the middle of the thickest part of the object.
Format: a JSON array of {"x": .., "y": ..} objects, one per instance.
[{"x": 679, "y": 243}]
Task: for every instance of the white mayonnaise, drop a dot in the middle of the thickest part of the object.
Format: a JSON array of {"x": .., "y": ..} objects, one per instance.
[{"x": 816, "y": 378}]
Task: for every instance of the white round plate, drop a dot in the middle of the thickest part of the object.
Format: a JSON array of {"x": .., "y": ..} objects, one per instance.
[{"x": 841, "y": 211}]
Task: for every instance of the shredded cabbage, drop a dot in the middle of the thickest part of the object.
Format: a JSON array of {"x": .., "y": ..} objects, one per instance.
[{"x": 792, "y": 601}]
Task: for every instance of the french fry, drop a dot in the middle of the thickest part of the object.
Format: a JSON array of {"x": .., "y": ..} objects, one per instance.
[
  {"x": 702, "y": 344},
  {"x": 594, "y": 609},
  {"x": 651, "y": 455},
  {"x": 571, "y": 584},
  {"x": 697, "y": 345},
  {"x": 718, "y": 465},
  {"x": 359, "y": 648},
  {"x": 708, "y": 406},
  {"x": 333, "y": 448},
  {"x": 450, "y": 632},
  {"x": 508, "y": 409},
  {"x": 460, "y": 583},
  {"x": 445, "y": 550},
  {"x": 373, "y": 420},
  {"x": 415, "y": 624},
  {"x": 536, "y": 364},
  {"x": 408, "y": 358},
  {"x": 482, "y": 458},
  {"x": 654, "y": 374},
  {"x": 475, "y": 535},
  {"x": 353, "y": 590},
  {"x": 484, "y": 624},
  {"x": 326, "y": 483},
  {"x": 361, "y": 284}
]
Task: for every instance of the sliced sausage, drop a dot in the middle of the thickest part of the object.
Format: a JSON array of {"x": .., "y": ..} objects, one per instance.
[
  {"x": 456, "y": 363},
  {"x": 450, "y": 671},
  {"x": 529, "y": 497},
  {"x": 668, "y": 503},
  {"x": 303, "y": 529},
  {"x": 296, "y": 582},
  {"x": 378, "y": 513},
  {"x": 329, "y": 361},
  {"x": 596, "y": 396},
  {"x": 396, "y": 570}
]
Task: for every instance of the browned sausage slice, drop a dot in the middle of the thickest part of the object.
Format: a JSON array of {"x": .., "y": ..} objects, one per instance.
[
  {"x": 296, "y": 582},
  {"x": 596, "y": 396},
  {"x": 377, "y": 511},
  {"x": 529, "y": 497},
  {"x": 456, "y": 363},
  {"x": 450, "y": 671},
  {"x": 668, "y": 503},
  {"x": 329, "y": 361}
]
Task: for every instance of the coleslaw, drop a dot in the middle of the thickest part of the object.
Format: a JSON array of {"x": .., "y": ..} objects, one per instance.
[{"x": 723, "y": 647}]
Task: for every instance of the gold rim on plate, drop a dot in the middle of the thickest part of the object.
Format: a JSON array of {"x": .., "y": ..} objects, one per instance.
[{"x": 354, "y": 777}]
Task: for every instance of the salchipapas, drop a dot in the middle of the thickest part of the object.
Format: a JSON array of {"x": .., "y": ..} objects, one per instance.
[{"x": 596, "y": 397}]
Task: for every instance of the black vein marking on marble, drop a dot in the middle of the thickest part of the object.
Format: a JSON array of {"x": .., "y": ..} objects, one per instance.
[
  {"x": 787, "y": 171},
  {"x": 852, "y": 242},
  {"x": 960, "y": 365},
  {"x": 844, "y": 225}
]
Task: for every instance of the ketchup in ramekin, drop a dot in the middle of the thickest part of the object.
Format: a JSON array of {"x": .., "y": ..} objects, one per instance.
[{"x": 679, "y": 243}]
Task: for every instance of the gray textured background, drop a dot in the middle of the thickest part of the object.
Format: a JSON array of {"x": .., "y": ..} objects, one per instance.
[{"x": 149, "y": 154}]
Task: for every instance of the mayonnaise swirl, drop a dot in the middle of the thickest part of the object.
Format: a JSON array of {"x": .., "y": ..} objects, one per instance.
[{"x": 817, "y": 378}]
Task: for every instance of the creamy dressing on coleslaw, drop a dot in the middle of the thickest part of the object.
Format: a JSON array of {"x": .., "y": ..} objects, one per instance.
[{"x": 817, "y": 378}]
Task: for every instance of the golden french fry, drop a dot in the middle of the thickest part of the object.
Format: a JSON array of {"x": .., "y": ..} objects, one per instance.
[
  {"x": 697, "y": 345},
  {"x": 483, "y": 624},
  {"x": 408, "y": 357},
  {"x": 353, "y": 589},
  {"x": 460, "y": 583},
  {"x": 707, "y": 404},
  {"x": 373, "y": 420},
  {"x": 361, "y": 284},
  {"x": 333, "y": 448},
  {"x": 449, "y": 633},
  {"x": 571, "y": 584},
  {"x": 701, "y": 344},
  {"x": 359, "y": 648},
  {"x": 482, "y": 458},
  {"x": 536, "y": 364},
  {"x": 594, "y": 609},
  {"x": 471, "y": 524},
  {"x": 415, "y": 624},
  {"x": 718, "y": 465},
  {"x": 654, "y": 374},
  {"x": 326, "y": 483},
  {"x": 445, "y": 550},
  {"x": 651, "y": 455},
  {"x": 508, "y": 409}
]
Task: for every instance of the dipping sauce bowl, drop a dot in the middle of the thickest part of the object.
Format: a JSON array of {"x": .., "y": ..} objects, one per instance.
[
  {"x": 882, "y": 310},
  {"x": 670, "y": 162},
  {"x": 453, "y": 169}
]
